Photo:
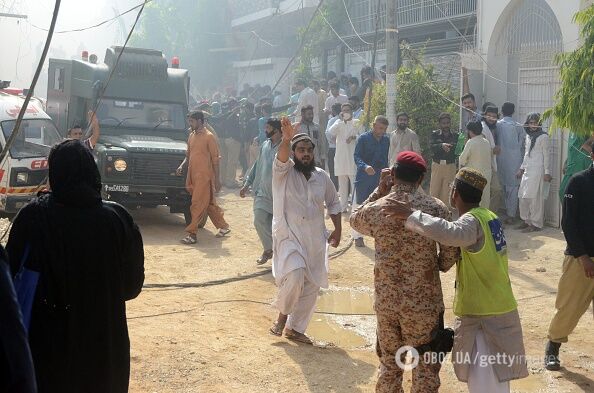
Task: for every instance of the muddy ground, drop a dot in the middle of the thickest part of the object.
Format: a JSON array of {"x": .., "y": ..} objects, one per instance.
[{"x": 190, "y": 333}]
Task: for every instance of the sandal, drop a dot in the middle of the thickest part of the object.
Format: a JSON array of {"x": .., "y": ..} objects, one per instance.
[
  {"x": 277, "y": 329},
  {"x": 266, "y": 255},
  {"x": 223, "y": 232},
  {"x": 189, "y": 240},
  {"x": 297, "y": 337},
  {"x": 523, "y": 226}
]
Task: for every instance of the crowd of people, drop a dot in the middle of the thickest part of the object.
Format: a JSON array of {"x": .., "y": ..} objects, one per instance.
[{"x": 319, "y": 160}]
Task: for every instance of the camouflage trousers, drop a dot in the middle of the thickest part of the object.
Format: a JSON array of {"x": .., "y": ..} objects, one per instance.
[{"x": 395, "y": 329}]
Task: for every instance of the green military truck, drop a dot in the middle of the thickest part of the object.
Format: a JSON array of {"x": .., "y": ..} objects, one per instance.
[{"x": 142, "y": 115}]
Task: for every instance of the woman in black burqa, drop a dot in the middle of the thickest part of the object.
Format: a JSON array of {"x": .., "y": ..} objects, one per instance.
[{"x": 90, "y": 257}]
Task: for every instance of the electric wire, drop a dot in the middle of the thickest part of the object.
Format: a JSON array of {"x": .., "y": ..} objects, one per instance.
[
  {"x": 17, "y": 125},
  {"x": 96, "y": 24},
  {"x": 352, "y": 25},
  {"x": 300, "y": 45},
  {"x": 440, "y": 93},
  {"x": 115, "y": 66}
]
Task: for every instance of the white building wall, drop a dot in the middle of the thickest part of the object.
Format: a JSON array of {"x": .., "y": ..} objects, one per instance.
[
  {"x": 512, "y": 78},
  {"x": 491, "y": 20}
]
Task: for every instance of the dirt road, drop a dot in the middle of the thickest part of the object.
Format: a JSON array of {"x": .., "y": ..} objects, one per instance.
[{"x": 190, "y": 333}]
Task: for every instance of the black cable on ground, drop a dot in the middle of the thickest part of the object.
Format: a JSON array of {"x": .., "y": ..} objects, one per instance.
[{"x": 222, "y": 281}]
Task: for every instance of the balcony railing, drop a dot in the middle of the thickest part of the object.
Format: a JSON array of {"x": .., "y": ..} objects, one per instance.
[
  {"x": 245, "y": 8},
  {"x": 410, "y": 12},
  {"x": 242, "y": 8}
]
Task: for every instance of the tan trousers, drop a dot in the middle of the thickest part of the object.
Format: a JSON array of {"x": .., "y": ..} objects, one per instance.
[
  {"x": 442, "y": 177},
  {"x": 574, "y": 295},
  {"x": 229, "y": 162},
  {"x": 395, "y": 329},
  {"x": 204, "y": 203},
  {"x": 497, "y": 195}
]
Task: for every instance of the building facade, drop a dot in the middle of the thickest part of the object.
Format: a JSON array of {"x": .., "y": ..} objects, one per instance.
[
  {"x": 266, "y": 32},
  {"x": 517, "y": 41},
  {"x": 444, "y": 28}
]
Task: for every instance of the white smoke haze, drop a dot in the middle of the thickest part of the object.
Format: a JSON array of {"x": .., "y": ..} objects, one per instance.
[{"x": 21, "y": 43}]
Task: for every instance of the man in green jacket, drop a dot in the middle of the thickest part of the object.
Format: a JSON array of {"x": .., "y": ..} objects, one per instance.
[{"x": 488, "y": 344}]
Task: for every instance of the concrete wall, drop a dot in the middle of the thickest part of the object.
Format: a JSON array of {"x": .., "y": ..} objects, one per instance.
[{"x": 492, "y": 17}]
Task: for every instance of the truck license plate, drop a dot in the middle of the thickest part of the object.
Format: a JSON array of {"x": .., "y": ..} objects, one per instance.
[{"x": 117, "y": 188}]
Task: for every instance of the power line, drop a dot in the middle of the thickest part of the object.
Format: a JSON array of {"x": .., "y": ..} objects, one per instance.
[
  {"x": 419, "y": 63},
  {"x": 474, "y": 50},
  {"x": 115, "y": 66},
  {"x": 340, "y": 38},
  {"x": 17, "y": 124},
  {"x": 95, "y": 25},
  {"x": 352, "y": 25},
  {"x": 301, "y": 44}
]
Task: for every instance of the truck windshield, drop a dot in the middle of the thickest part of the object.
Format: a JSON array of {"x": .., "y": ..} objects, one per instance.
[
  {"x": 124, "y": 113},
  {"x": 35, "y": 139}
]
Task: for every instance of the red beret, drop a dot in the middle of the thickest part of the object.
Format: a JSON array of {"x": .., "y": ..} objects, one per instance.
[{"x": 412, "y": 160}]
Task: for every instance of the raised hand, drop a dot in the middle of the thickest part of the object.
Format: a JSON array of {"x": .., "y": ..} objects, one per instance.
[{"x": 287, "y": 129}]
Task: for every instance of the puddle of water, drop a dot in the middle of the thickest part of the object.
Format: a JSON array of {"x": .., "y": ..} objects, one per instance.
[
  {"x": 323, "y": 328},
  {"x": 345, "y": 301},
  {"x": 534, "y": 383},
  {"x": 340, "y": 327}
]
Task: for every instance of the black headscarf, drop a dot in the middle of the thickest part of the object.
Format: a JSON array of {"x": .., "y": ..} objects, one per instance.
[
  {"x": 533, "y": 134},
  {"x": 73, "y": 175}
]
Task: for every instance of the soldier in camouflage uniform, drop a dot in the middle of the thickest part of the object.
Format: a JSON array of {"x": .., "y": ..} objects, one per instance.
[{"x": 408, "y": 296}]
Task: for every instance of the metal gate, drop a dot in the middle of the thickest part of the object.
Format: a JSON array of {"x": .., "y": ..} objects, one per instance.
[{"x": 536, "y": 91}]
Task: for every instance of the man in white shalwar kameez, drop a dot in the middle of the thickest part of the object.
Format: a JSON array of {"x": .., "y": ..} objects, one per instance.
[
  {"x": 299, "y": 236},
  {"x": 535, "y": 173},
  {"x": 345, "y": 132}
]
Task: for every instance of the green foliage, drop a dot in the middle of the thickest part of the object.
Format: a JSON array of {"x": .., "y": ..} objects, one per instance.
[
  {"x": 574, "y": 106},
  {"x": 319, "y": 36},
  {"x": 416, "y": 98},
  {"x": 187, "y": 29}
]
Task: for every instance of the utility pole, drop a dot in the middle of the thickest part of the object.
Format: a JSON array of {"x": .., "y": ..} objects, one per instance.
[{"x": 392, "y": 59}]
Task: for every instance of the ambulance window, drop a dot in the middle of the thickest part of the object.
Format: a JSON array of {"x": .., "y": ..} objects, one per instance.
[{"x": 59, "y": 79}]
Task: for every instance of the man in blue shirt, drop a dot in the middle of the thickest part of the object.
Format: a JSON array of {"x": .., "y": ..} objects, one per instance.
[
  {"x": 371, "y": 156},
  {"x": 511, "y": 140},
  {"x": 260, "y": 180}
]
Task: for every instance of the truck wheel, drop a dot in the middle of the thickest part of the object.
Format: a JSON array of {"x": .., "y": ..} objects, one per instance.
[{"x": 9, "y": 216}]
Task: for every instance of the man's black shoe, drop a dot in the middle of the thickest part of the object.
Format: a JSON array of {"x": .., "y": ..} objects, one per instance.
[{"x": 552, "y": 362}]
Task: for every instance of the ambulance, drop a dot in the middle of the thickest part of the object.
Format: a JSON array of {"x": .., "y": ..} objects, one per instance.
[{"x": 24, "y": 170}]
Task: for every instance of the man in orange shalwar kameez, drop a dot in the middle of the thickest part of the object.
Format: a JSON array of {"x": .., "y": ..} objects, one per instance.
[{"x": 202, "y": 160}]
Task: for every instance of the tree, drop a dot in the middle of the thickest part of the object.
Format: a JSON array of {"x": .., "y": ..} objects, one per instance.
[
  {"x": 319, "y": 36},
  {"x": 188, "y": 29},
  {"x": 420, "y": 94},
  {"x": 574, "y": 106}
]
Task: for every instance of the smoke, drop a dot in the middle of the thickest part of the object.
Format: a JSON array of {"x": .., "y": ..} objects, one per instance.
[{"x": 22, "y": 43}]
